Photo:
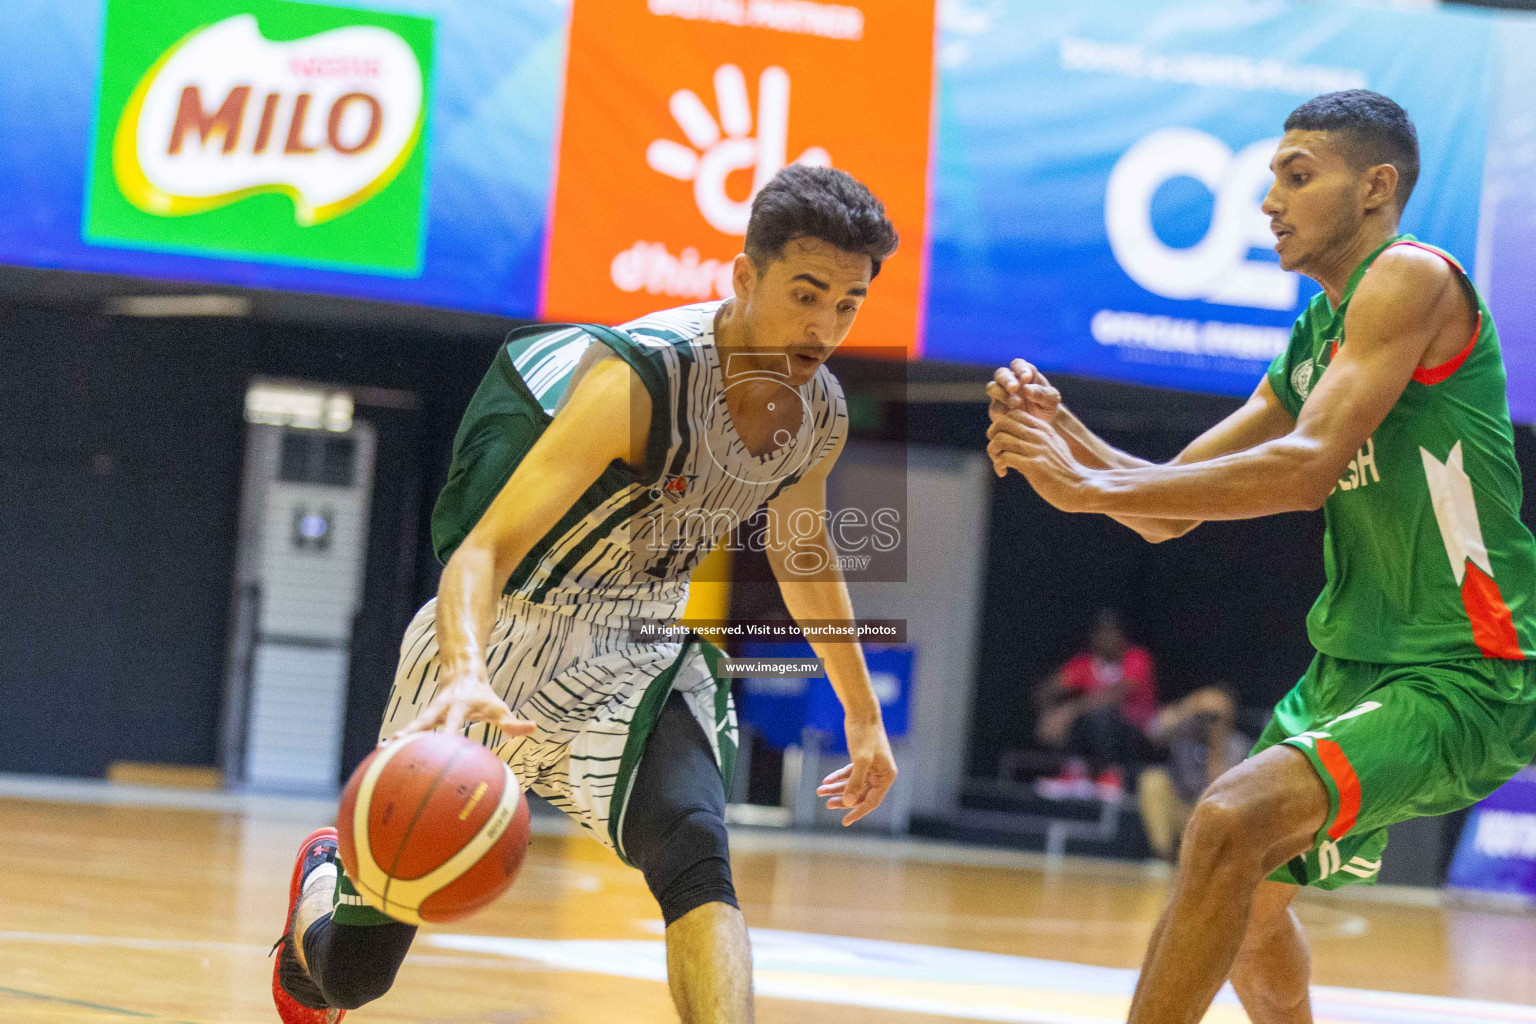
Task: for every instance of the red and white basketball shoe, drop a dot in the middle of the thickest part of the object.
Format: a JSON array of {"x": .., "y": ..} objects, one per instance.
[{"x": 297, "y": 997}]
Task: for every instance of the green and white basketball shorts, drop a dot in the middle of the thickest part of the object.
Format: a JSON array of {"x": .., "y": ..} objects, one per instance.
[
  {"x": 594, "y": 693},
  {"x": 1393, "y": 742}
]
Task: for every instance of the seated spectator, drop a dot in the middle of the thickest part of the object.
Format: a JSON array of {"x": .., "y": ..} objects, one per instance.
[
  {"x": 1101, "y": 709},
  {"x": 1201, "y": 743},
  {"x": 1097, "y": 708}
]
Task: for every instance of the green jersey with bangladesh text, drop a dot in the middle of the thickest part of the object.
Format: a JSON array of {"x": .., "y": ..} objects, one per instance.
[{"x": 1426, "y": 557}]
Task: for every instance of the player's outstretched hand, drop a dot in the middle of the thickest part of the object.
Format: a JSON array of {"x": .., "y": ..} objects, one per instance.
[
  {"x": 1021, "y": 386},
  {"x": 464, "y": 701},
  {"x": 859, "y": 787},
  {"x": 1033, "y": 447}
]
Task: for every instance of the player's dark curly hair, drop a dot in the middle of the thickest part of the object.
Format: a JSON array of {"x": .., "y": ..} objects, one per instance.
[
  {"x": 1373, "y": 129},
  {"x": 818, "y": 202}
]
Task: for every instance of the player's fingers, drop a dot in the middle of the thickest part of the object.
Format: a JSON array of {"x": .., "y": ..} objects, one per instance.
[
  {"x": 872, "y": 799},
  {"x": 453, "y": 720},
  {"x": 513, "y": 725},
  {"x": 870, "y": 802},
  {"x": 1024, "y": 370},
  {"x": 836, "y": 784},
  {"x": 1022, "y": 436},
  {"x": 1004, "y": 445},
  {"x": 1027, "y": 418},
  {"x": 1010, "y": 444},
  {"x": 1013, "y": 425},
  {"x": 1042, "y": 395},
  {"x": 999, "y": 401},
  {"x": 839, "y": 775},
  {"x": 1008, "y": 461},
  {"x": 1006, "y": 379},
  {"x": 425, "y": 722},
  {"x": 1018, "y": 422},
  {"x": 859, "y": 809},
  {"x": 858, "y": 784}
]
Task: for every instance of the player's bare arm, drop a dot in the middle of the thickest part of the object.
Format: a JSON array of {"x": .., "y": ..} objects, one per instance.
[
  {"x": 1408, "y": 311},
  {"x": 1021, "y": 386},
  {"x": 606, "y": 416},
  {"x": 804, "y": 561}
]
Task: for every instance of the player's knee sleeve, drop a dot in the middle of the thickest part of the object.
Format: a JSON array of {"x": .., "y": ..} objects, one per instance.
[
  {"x": 355, "y": 964},
  {"x": 689, "y": 865},
  {"x": 674, "y": 828}
]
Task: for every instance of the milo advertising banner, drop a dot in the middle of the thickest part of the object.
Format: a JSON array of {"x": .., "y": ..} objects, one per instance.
[{"x": 262, "y": 129}]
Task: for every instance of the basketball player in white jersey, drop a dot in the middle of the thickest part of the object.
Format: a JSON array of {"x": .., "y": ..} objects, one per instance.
[{"x": 592, "y": 471}]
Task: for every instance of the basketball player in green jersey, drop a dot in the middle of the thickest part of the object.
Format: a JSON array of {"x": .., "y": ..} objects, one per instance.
[{"x": 1387, "y": 410}]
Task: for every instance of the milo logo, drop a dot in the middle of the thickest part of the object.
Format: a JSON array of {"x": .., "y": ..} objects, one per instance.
[{"x": 276, "y": 130}]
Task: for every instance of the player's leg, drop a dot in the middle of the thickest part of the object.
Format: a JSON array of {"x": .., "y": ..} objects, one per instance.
[
  {"x": 674, "y": 832},
  {"x": 1254, "y": 818},
  {"x": 1274, "y": 965},
  {"x": 1162, "y": 812},
  {"x": 351, "y": 951},
  {"x": 709, "y": 965},
  {"x": 1108, "y": 740},
  {"x": 1360, "y": 747},
  {"x": 335, "y": 954}
]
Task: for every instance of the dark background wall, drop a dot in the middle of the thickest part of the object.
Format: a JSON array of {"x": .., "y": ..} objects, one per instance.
[
  {"x": 1223, "y": 604},
  {"x": 121, "y": 444}
]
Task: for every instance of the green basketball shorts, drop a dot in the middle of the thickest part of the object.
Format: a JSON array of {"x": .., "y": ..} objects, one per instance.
[{"x": 1393, "y": 742}]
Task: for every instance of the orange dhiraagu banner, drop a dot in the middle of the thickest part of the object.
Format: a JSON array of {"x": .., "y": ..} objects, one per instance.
[{"x": 677, "y": 111}]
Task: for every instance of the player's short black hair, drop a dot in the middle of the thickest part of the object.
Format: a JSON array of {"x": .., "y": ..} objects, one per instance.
[
  {"x": 1373, "y": 129},
  {"x": 818, "y": 202}
]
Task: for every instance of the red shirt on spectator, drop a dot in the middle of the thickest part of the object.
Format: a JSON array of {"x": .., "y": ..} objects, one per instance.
[{"x": 1088, "y": 673}]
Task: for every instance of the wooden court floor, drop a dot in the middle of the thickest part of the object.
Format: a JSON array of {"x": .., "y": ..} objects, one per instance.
[{"x": 135, "y": 915}]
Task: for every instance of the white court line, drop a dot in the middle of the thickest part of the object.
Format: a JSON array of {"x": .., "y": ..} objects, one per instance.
[
  {"x": 862, "y": 972},
  {"x": 962, "y": 984}
]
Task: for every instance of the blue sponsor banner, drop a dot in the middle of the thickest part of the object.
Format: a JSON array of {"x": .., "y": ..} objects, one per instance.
[
  {"x": 1100, "y": 169},
  {"x": 1497, "y": 852},
  {"x": 1508, "y": 225},
  {"x": 779, "y": 709},
  {"x": 1094, "y": 192}
]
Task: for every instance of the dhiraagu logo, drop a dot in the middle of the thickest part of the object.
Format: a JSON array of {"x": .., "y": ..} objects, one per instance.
[{"x": 263, "y": 130}]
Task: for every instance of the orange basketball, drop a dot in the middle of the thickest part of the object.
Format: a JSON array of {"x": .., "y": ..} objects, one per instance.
[{"x": 432, "y": 827}]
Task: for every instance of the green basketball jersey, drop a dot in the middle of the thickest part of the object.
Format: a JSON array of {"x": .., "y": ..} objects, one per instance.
[
  {"x": 1426, "y": 557},
  {"x": 626, "y": 549}
]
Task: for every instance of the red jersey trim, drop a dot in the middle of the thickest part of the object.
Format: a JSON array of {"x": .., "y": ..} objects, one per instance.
[
  {"x": 1346, "y": 782},
  {"x": 1436, "y": 374},
  {"x": 1493, "y": 628}
]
